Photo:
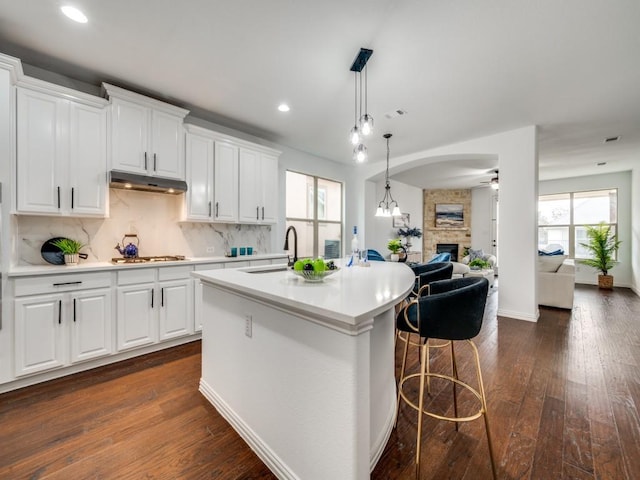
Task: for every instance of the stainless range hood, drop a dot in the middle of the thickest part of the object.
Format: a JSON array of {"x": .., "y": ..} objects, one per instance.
[{"x": 132, "y": 181}]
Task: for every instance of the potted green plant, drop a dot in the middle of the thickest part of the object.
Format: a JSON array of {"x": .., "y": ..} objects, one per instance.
[
  {"x": 479, "y": 264},
  {"x": 70, "y": 249},
  {"x": 602, "y": 246},
  {"x": 395, "y": 246}
]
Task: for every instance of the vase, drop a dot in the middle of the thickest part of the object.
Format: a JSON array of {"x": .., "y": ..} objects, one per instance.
[
  {"x": 394, "y": 257},
  {"x": 605, "y": 282},
  {"x": 71, "y": 259}
]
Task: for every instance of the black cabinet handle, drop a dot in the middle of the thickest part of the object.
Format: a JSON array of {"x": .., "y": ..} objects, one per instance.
[
  {"x": 209, "y": 208},
  {"x": 74, "y": 310},
  {"x": 262, "y": 213},
  {"x": 72, "y": 191},
  {"x": 257, "y": 213},
  {"x": 162, "y": 297},
  {"x": 67, "y": 283},
  {"x": 145, "y": 160},
  {"x": 59, "y": 312},
  {"x": 154, "y": 162},
  {"x": 58, "y": 197},
  {"x": 152, "y": 294},
  {"x": 216, "y": 209}
]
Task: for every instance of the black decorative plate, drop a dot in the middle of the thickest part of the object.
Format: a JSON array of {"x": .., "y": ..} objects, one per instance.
[{"x": 51, "y": 253}]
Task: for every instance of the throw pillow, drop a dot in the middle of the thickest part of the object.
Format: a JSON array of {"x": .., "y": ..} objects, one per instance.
[
  {"x": 473, "y": 254},
  {"x": 550, "y": 263},
  {"x": 440, "y": 257}
]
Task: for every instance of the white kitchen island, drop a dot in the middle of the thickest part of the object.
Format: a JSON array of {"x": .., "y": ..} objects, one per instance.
[{"x": 304, "y": 372}]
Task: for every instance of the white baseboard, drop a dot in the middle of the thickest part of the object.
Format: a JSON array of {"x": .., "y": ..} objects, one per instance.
[
  {"x": 381, "y": 442},
  {"x": 261, "y": 449},
  {"x": 518, "y": 315}
]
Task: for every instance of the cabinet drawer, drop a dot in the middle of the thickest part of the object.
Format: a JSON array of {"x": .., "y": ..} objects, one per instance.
[
  {"x": 60, "y": 283},
  {"x": 209, "y": 266},
  {"x": 174, "y": 273},
  {"x": 138, "y": 275}
]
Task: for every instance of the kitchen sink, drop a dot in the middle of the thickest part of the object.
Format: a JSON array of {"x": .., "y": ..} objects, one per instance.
[{"x": 275, "y": 268}]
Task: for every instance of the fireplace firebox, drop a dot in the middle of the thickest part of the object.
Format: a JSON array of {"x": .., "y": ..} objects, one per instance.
[{"x": 451, "y": 248}]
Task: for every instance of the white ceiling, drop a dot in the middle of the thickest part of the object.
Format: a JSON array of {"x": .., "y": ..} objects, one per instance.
[{"x": 461, "y": 69}]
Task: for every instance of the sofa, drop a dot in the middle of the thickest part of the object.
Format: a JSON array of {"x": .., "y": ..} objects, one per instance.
[{"x": 556, "y": 281}]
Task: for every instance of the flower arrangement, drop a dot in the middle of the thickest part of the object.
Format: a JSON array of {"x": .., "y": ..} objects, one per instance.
[{"x": 410, "y": 232}]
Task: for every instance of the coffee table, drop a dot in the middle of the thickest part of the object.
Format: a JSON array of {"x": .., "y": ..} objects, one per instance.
[{"x": 485, "y": 272}]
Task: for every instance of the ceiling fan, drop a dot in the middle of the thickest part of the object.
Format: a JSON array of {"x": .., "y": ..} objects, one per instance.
[{"x": 494, "y": 182}]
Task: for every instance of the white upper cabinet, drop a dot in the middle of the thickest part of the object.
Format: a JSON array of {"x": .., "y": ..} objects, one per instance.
[
  {"x": 61, "y": 161},
  {"x": 230, "y": 180},
  {"x": 258, "y": 187},
  {"x": 147, "y": 135},
  {"x": 199, "y": 164},
  {"x": 225, "y": 180}
]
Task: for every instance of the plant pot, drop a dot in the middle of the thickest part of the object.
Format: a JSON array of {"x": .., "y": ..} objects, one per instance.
[
  {"x": 394, "y": 257},
  {"x": 71, "y": 259},
  {"x": 605, "y": 282}
]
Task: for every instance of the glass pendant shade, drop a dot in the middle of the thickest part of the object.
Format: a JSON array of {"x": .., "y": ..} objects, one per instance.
[
  {"x": 366, "y": 124},
  {"x": 360, "y": 153},
  {"x": 354, "y": 136},
  {"x": 384, "y": 207}
]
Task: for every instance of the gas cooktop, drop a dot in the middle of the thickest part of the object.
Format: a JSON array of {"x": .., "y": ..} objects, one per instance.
[{"x": 161, "y": 258}]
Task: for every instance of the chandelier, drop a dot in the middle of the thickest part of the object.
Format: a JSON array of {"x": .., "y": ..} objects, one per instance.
[
  {"x": 363, "y": 122},
  {"x": 385, "y": 206}
]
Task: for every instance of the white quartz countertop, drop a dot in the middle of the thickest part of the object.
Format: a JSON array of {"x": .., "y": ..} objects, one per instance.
[
  {"x": 48, "y": 269},
  {"x": 350, "y": 296}
]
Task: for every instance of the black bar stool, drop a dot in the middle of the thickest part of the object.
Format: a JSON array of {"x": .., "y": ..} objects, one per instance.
[{"x": 452, "y": 311}]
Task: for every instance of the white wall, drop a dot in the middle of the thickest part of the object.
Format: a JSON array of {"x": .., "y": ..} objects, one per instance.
[
  {"x": 622, "y": 181},
  {"x": 635, "y": 230},
  {"x": 380, "y": 230}
]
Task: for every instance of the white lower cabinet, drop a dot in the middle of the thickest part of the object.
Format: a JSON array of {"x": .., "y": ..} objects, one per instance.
[
  {"x": 53, "y": 330},
  {"x": 91, "y": 330},
  {"x": 40, "y": 342},
  {"x": 176, "y": 309},
  {"x": 154, "y": 304},
  {"x": 136, "y": 325}
]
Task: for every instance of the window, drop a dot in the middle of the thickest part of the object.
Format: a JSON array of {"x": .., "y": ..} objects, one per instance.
[
  {"x": 562, "y": 218},
  {"x": 314, "y": 208}
]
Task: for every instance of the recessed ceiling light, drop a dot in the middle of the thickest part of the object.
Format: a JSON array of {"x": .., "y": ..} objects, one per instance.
[
  {"x": 74, "y": 14},
  {"x": 283, "y": 107}
]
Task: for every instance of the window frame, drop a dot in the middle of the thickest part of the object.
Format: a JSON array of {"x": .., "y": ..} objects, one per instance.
[
  {"x": 315, "y": 221},
  {"x": 572, "y": 226}
]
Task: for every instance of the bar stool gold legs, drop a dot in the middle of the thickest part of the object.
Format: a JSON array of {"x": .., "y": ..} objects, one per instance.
[{"x": 424, "y": 375}]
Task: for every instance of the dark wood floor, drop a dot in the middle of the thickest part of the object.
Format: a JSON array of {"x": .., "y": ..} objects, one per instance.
[{"x": 563, "y": 394}]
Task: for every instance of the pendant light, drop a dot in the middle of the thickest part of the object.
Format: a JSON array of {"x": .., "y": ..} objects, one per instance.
[
  {"x": 385, "y": 206},
  {"x": 363, "y": 123}
]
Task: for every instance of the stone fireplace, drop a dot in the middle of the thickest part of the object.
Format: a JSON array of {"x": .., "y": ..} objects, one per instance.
[{"x": 458, "y": 236}]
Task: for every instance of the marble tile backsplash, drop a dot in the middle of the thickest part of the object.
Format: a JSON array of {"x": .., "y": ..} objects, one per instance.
[{"x": 154, "y": 217}]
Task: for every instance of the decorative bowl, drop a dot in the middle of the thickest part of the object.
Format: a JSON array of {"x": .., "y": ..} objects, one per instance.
[{"x": 314, "y": 277}]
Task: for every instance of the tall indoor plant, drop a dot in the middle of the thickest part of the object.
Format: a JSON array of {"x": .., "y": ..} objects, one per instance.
[{"x": 602, "y": 246}]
